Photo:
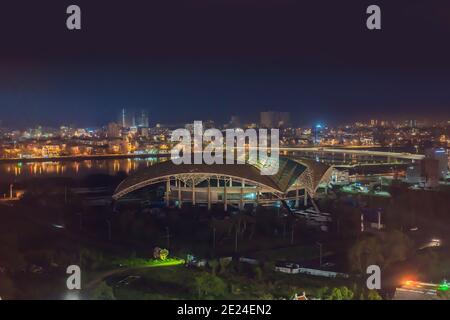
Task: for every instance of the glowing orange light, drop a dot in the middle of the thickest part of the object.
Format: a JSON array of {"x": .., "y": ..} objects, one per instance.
[{"x": 408, "y": 282}]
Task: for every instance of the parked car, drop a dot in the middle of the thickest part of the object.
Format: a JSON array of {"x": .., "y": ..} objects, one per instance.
[{"x": 287, "y": 267}]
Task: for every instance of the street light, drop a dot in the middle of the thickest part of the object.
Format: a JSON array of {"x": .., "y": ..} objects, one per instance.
[{"x": 435, "y": 242}]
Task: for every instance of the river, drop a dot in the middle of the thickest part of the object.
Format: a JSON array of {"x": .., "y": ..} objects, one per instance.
[{"x": 19, "y": 171}]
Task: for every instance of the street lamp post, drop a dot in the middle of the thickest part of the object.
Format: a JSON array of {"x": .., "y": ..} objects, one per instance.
[
  {"x": 379, "y": 219},
  {"x": 320, "y": 253}
]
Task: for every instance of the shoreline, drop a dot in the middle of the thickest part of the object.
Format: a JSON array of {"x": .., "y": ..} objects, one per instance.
[
  {"x": 82, "y": 158},
  {"x": 362, "y": 151}
]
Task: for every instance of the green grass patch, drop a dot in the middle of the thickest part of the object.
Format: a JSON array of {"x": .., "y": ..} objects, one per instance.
[{"x": 140, "y": 262}]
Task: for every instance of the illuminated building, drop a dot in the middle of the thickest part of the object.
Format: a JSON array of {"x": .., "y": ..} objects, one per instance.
[
  {"x": 442, "y": 158},
  {"x": 113, "y": 130},
  {"x": 238, "y": 185},
  {"x": 274, "y": 119},
  {"x": 235, "y": 122},
  {"x": 49, "y": 151},
  {"x": 144, "y": 132},
  {"x": 142, "y": 119}
]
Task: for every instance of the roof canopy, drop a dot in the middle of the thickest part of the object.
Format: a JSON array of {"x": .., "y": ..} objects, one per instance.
[{"x": 290, "y": 171}]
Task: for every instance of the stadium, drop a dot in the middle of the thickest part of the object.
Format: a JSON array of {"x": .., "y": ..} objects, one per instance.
[{"x": 228, "y": 185}]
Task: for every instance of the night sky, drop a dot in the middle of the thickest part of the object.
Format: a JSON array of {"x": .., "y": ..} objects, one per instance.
[{"x": 210, "y": 59}]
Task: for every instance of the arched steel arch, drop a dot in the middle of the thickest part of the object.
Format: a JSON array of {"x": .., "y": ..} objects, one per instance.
[
  {"x": 292, "y": 175},
  {"x": 195, "y": 177}
]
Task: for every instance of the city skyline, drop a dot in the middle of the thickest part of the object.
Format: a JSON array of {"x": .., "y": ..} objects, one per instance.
[
  {"x": 139, "y": 117},
  {"x": 245, "y": 151}
]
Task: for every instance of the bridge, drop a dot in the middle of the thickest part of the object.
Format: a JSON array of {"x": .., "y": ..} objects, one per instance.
[
  {"x": 351, "y": 157},
  {"x": 309, "y": 151},
  {"x": 318, "y": 150}
]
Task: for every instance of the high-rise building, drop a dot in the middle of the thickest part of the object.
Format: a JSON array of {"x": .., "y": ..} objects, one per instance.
[
  {"x": 235, "y": 122},
  {"x": 134, "y": 119},
  {"x": 318, "y": 133},
  {"x": 414, "y": 174},
  {"x": 430, "y": 172},
  {"x": 144, "y": 132},
  {"x": 284, "y": 119},
  {"x": 208, "y": 124},
  {"x": 274, "y": 119},
  {"x": 125, "y": 120},
  {"x": 412, "y": 123},
  {"x": 142, "y": 119},
  {"x": 267, "y": 119},
  {"x": 442, "y": 158},
  {"x": 113, "y": 130}
]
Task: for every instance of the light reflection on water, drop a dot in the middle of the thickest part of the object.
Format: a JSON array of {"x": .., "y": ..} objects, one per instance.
[{"x": 23, "y": 170}]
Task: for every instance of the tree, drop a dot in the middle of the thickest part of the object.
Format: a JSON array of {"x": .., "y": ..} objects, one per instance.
[
  {"x": 341, "y": 293},
  {"x": 159, "y": 253},
  {"x": 266, "y": 296},
  {"x": 103, "y": 292},
  {"x": 209, "y": 285},
  {"x": 258, "y": 273},
  {"x": 163, "y": 254},
  {"x": 382, "y": 249},
  {"x": 396, "y": 247},
  {"x": 224, "y": 263},
  {"x": 335, "y": 294},
  {"x": 373, "y": 295},
  {"x": 347, "y": 294},
  {"x": 322, "y": 293},
  {"x": 365, "y": 252},
  {"x": 214, "y": 264}
]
